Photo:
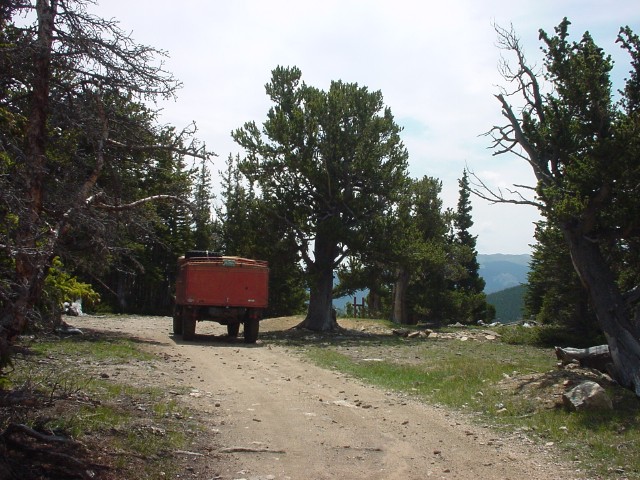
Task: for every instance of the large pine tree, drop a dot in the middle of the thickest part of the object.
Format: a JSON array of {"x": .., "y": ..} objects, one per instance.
[{"x": 328, "y": 164}]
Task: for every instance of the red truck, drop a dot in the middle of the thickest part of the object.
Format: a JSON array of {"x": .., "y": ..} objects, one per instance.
[{"x": 227, "y": 290}]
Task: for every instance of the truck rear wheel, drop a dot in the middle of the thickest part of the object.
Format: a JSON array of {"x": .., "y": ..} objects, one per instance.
[
  {"x": 233, "y": 329},
  {"x": 188, "y": 327},
  {"x": 251, "y": 328},
  {"x": 177, "y": 321}
]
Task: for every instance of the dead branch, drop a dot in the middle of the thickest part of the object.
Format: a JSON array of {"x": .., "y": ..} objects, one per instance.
[
  {"x": 249, "y": 450},
  {"x": 598, "y": 357},
  {"x": 493, "y": 196},
  {"x": 30, "y": 432},
  {"x": 128, "y": 206},
  {"x": 186, "y": 452},
  {"x": 165, "y": 148}
]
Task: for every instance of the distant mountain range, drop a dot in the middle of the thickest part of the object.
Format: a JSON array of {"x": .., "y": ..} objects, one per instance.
[{"x": 502, "y": 271}]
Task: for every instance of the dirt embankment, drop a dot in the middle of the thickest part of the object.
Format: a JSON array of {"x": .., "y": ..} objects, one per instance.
[{"x": 268, "y": 414}]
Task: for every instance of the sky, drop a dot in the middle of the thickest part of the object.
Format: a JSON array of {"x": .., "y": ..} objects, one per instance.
[{"x": 436, "y": 64}]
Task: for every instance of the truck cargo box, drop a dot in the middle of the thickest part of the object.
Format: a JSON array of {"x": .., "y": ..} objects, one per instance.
[{"x": 223, "y": 282}]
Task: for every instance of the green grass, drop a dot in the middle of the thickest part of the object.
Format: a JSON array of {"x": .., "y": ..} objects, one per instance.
[
  {"x": 470, "y": 377},
  {"x": 436, "y": 371},
  {"x": 131, "y": 419},
  {"x": 93, "y": 348}
]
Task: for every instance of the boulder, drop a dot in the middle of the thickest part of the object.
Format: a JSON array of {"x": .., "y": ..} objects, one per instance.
[{"x": 587, "y": 396}]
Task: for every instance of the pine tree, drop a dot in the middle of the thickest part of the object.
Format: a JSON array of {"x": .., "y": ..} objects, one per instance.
[
  {"x": 467, "y": 285},
  {"x": 249, "y": 229},
  {"x": 329, "y": 164},
  {"x": 472, "y": 282},
  {"x": 203, "y": 203},
  {"x": 581, "y": 137},
  {"x": 554, "y": 294}
]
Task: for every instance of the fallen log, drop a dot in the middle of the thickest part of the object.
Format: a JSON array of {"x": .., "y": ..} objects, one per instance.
[{"x": 597, "y": 357}]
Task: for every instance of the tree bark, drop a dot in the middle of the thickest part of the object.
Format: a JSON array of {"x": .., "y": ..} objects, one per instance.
[
  {"x": 399, "y": 312},
  {"x": 29, "y": 259},
  {"x": 611, "y": 310},
  {"x": 320, "y": 315},
  {"x": 375, "y": 304}
]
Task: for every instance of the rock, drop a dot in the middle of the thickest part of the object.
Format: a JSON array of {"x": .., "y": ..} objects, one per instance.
[
  {"x": 587, "y": 396},
  {"x": 414, "y": 334},
  {"x": 492, "y": 333}
]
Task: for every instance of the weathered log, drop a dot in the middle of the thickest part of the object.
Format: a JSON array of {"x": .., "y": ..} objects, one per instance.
[
  {"x": 598, "y": 357},
  {"x": 43, "y": 437}
]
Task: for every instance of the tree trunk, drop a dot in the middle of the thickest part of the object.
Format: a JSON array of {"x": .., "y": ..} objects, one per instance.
[
  {"x": 375, "y": 304},
  {"x": 320, "y": 315},
  {"x": 399, "y": 312},
  {"x": 614, "y": 317},
  {"x": 30, "y": 260}
]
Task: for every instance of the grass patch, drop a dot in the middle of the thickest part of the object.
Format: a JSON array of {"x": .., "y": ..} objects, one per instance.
[
  {"x": 62, "y": 390},
  {"x": 92, "y": 348},
  {"x": 547, "y": 336},
  {"x": 515, "y": 388},
  {"x": 449, "y": 376}
]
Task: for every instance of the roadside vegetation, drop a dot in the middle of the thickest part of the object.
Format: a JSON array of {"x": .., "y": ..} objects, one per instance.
[{"x": 83, "y": 422}]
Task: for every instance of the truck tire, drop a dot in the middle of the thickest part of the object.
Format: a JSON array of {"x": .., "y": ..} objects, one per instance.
[
  {"x": 188, "y": 327},
  {"x": 251, "y": 328},
  {"x": 177, "y": 321},
  {"x": 233, "y": 329}
]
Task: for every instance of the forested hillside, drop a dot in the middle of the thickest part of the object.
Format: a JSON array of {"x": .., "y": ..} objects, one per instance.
[{"x": 508, "y": 303}]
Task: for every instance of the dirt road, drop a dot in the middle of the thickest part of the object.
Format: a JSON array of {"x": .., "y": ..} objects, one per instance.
[{"x": 275, "y": 416}]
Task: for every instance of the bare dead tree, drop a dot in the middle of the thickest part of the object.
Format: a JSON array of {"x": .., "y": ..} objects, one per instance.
[{"x": 577, "y": 140}]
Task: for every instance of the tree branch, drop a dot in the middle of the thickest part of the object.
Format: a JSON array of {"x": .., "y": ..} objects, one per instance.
[
  {"x": 128, "y": 206},
  {"x": 480, "y": 189}
]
